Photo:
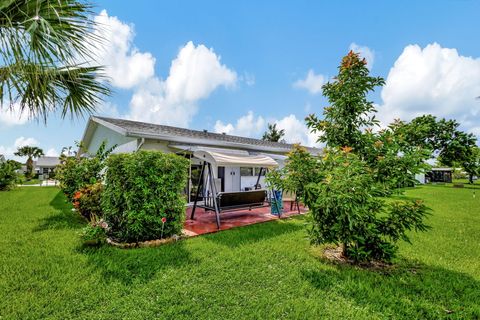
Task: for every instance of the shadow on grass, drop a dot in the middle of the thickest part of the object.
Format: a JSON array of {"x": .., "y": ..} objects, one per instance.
[
  {"x": 64, "y": 217},
  {"x": 474, "y": 186},
  {"x": 410, "y": 290},
  {"x": 255, "y": 233},
  {"x": 136, "y": 265}
]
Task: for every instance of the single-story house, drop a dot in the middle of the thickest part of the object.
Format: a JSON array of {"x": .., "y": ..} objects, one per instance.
[
  {"x": 130, "y": 136},
  {"x": 439, "y": 175},
  {"x": 46, "y": 165}
]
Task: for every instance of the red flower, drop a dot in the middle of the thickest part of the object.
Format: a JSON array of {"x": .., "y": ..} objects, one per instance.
[{"x": 164, "y": 220}]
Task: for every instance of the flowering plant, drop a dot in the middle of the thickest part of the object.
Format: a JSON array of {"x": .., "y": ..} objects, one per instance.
[{"x": 88, "y": 201}]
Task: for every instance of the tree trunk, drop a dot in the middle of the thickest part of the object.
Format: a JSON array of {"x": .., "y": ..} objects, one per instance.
[
  {"x": 29, "y": 167},
  {"x": 345, "y": 249}
]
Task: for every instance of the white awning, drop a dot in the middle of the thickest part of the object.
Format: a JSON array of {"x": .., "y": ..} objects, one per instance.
[
  {"x": 202, "y": 148},
  {"x": 235, "y": 160}
]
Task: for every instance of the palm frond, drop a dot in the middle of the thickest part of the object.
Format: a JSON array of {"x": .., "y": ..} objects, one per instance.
[
  {"x": 73, "y": 90},
  {"x": 47, "y": 52}
]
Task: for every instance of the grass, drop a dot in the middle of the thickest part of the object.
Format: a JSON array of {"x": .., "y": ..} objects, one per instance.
[
  {"x": 31, "y": 181},
  {"x": 265, "y": 271}
]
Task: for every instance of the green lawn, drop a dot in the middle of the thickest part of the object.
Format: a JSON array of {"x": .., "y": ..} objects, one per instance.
[
  {"x": 31, "y": 181},
  {"x": 266, "y": 271}
]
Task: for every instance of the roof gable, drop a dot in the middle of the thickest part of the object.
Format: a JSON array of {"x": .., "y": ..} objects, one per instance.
[{"x": 48, "y": 161}]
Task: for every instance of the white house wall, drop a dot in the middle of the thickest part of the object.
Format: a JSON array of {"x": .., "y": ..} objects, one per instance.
[
  {"x": 250, "y": 181},
  {"x": 128, "y": 147},
  {"x": 420, "y": 177},
  {"x": 103, "y": 133},
  {"x": 156, "y": 145}
]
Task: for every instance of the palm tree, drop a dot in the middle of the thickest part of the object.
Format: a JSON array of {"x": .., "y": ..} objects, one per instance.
[
  {"x": 46, "y": 58},
  {"x": 31, "y": 153},
  {"x": 273, "y": 134}
]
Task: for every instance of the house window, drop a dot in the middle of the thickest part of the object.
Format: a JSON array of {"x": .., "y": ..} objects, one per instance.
[
  {"x": 257, "y": 171},
  {"x": 246, "y": 171},
  {"x": 251, "y": 172}
]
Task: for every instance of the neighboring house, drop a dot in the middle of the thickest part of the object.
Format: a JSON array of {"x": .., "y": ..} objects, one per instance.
[
  {"x": 440, "y": 175},
  {"x": 420, "y": 177},
  {"x": 46, "y": 165},
  {"x": 130, "y": 136},
  {"x": 2, "y": 158}
]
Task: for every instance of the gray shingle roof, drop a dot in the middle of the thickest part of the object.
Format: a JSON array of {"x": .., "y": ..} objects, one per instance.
[
  {"x": 150, "y": 130},
  {"x": 48, "y": 162}
]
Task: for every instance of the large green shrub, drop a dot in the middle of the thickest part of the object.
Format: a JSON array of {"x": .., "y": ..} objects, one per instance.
[
  {"x": 345, "y": 211},
  {"x": 8, "y": 175},
  {"x": 142, "y": 188},
  {"x": 75, "y": 172}
]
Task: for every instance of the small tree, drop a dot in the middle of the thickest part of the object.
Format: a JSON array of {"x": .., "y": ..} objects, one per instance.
[
  {"x": 348, "y": 120},
  {"x": 342, "y": 195},
  {"x": 273, "y": 134},
  {"x": 349, "y": 109},
  {"x": 31, "y": 153},
  {"x": 344, "y": 210},
  {"x": 301, "y": 168}
]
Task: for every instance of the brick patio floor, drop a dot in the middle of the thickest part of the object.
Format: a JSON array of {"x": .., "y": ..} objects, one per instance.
[{"x": 204, "y": 222}]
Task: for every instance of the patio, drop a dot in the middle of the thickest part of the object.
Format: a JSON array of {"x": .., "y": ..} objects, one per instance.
[{"x": 204, "y": 222}]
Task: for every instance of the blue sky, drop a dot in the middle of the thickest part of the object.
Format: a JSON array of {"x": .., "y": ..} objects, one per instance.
[{"x": 235, "y": 66}]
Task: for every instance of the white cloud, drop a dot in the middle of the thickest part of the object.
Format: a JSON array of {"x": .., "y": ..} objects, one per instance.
[
  {"x": 13, "y": 116},
  {"x": 365, "y": 52},
  {"x": 250, "y": 125},
  {"x": 296, "y": 131},
  {"x": 9, "y": 151},
  {"x": 247, "y": 126},
  {"x": 108, "y": 109},
  {"x": 433, "y": 80},
  {"x": 22, "y": 142},
  {"x": 313, "y": 82},
  {"x": 194, "y": 74},
  {"x": 221, "y": 127},
  {"x": 125, "y": 65},
  {"x": 52, "y": 152}
]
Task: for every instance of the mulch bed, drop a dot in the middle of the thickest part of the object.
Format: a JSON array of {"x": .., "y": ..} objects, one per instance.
[
  {"x": 144, "y": 244},
  {"x": 335, "y": 254}
]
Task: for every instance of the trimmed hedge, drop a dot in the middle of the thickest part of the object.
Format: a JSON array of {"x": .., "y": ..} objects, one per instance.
[{"x": 140, "y": 189}]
